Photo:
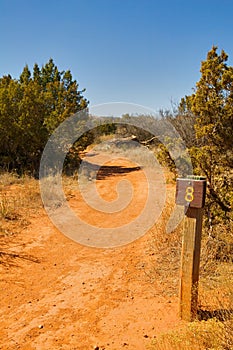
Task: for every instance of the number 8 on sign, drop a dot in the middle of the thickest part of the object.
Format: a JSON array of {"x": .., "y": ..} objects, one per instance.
[{"x": 189, "y": 194}]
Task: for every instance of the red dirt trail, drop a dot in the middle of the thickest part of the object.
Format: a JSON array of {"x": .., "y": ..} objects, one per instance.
[{"x": 63, "y": 295}]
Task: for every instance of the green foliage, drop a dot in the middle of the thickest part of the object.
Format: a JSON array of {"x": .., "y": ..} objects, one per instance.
[
  {"x": 212, "y": 106},
  {"x": 165, "y": 158},
  {"x": 30, "y": 110}
]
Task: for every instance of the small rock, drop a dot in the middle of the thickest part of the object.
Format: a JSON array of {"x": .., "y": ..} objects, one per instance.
[
  {"x": 146, "y": 336},
  {"x": 40, "y": 326}
]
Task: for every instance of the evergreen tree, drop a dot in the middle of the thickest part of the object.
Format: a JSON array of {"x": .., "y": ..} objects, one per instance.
[
  {"x": 30, "y": 110},
  {"x": 25, "y": 75},
  {"x": 212, "y": 105}
]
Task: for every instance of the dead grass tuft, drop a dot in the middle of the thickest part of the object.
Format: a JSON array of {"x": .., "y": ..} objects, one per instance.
[
  {"x": 19, "y": 200},
  {"x": 199, "y": 335}
]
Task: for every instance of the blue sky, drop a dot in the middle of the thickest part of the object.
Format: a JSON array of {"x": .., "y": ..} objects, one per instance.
[{"x": 146, "y": 52}]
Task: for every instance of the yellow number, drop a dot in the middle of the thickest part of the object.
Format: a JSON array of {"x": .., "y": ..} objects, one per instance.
[{"x": 189, "y": 196}]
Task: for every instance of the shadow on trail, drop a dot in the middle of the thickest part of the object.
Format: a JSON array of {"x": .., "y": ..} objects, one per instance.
[
  {"x": 115, "y": 170},
  {"x": 101, "y": 172},
  {"x": 220, "y": 314},
  {"x": 13, "y": 259}
]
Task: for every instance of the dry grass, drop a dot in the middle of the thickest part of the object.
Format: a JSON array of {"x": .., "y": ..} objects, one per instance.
[
  {"x": 164, "y": 250},
  {"x": 213, "y": 327},
  {"x": 19, "y": 199},
  {"x": 131, "y": 150},
  {"x": 52, "y": 191},
  {"x": 7, "y": 179},
  {"x": 199, "y": 335}
]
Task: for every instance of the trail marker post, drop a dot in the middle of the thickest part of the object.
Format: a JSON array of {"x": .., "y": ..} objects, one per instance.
[{"x": 190, "y": 192}]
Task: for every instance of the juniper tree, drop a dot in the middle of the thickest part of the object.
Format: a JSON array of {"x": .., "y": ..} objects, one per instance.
[
  {"x": 31, "y": 108},
  {"x": 212, "y": 106}
]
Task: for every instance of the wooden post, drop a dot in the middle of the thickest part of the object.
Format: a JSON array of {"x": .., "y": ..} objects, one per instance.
[{"x": 190, "y": 193}]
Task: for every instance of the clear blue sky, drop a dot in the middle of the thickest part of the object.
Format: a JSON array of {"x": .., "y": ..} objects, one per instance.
[{"x": 140, "y": 51}]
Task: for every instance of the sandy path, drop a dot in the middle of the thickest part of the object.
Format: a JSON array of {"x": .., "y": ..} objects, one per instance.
[{"x": 78, "y": 297}]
